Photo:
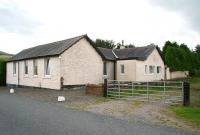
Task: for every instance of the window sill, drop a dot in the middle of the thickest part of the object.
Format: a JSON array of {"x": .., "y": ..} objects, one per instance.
[
  {"x": 35, "y": 76},
  {"x": 150, "y": 74},
  {"x": 47, "y": 77},
  {"x": 26, "y": 76},
  {"x": 14, "y": 75}
]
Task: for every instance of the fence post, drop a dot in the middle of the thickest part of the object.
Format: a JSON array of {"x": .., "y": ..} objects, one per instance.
[
  {"x": 148, "y": 91},
  {"x": 119, "y": 95},
  {"x": 164, "y": 91},
  {"x": 105, "y": 87},
  {"x": 132, "y": 89},
  {"x": 186, "y": 94}
]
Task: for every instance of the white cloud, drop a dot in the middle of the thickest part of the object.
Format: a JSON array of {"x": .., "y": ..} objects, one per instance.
[{"x": 137, "y": 22}]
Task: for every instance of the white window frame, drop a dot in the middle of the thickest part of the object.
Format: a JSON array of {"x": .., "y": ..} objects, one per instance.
[
  {"x": 153, "y": 66},
  {"x": 122, "y": 67},
  {"x": 160, "y": 71},
  {"x": 26, "y": 67},
  {"x": 35, "y": 67},
  {"x": 14, "y": 68},
  {"x": 47, "y": 63},
  {"x": 146, "y": 69}
]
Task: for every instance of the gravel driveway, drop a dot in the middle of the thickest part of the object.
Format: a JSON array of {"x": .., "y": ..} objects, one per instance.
[{"x": 24, "y": 116}]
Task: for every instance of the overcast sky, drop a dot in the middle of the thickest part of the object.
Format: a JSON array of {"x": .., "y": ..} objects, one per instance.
[{"x": 27, "y": 23}]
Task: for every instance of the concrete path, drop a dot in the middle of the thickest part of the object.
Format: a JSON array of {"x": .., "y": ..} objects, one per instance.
[{"x": 22, "y": 116}]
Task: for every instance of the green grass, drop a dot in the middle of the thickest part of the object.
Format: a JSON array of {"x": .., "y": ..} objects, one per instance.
[
  {"x": 4, "y": 57},
  {"x": 191, "y": 114}
]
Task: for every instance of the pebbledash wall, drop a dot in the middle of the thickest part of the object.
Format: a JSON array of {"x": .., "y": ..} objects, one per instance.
[
  {"x": 79, "y": 65},
  {"x": 176, "y": 74},
  {"x": 41, "y": 80},
  {"x": 135, "y": 69}
]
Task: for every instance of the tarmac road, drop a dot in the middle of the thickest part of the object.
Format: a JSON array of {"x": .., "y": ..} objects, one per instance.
[{"x": 23, "y": 116}]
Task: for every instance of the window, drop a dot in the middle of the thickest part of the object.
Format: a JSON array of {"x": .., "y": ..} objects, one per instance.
[
  {"x": 47, "y": 66},
  {"x": 104, "y": 68},
  {"x": 14, "y": 67},
  {"x": 151, "y": 69},
  {"x": 159, "y": 69},
  {"x": 146, "y": 69},
  {"x": 35, "y": 67},
  {"x": 122, "y": 69},
  {"x": 26, "y": 67}
]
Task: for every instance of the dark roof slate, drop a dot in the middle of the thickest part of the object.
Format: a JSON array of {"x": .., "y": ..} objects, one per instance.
[
  {"x": 57, "y": 48},
  {"x": 107, "y": 53},
  {"x": 50, "y": 49},
  {"x": 138, "y": 53}
]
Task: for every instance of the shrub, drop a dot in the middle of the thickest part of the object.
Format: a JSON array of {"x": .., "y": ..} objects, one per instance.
[{"x": 2, "y": 72}]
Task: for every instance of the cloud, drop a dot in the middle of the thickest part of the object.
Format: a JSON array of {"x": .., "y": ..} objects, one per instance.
[
  {"x": 189, "y": 9},
  {"x": 14, "y": 20}
]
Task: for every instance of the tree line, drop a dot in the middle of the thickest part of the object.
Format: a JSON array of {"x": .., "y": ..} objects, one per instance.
[
  {"x": 176, "y": 57},
  {"x": 181, "y": 58}
]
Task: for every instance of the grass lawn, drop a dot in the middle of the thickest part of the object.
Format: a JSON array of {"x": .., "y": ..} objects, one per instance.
[{"x": 191, "y": 114}]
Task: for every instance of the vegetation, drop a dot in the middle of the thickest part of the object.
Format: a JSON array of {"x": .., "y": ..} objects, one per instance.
[
  {"x": 111, "y": 44},
  {"x": 3, "y": 70},
  {"x": 180, "y": 57},
  {"x": 188, "y": 113}
]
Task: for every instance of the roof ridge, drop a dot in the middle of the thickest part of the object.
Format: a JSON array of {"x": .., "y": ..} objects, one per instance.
[{"x": 55, "y": 42}]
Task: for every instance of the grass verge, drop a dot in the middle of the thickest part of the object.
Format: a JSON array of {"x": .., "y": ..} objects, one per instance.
[{"x": 191, "y": 114}]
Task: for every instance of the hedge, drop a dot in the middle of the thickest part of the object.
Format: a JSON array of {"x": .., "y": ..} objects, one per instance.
[{"x": 2, "y": 72}]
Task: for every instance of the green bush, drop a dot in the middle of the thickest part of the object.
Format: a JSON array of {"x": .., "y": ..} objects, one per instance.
[{"x": 2, "y": 72}]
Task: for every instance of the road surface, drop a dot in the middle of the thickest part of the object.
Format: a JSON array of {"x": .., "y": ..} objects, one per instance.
[{"x": 22, "y": 116}]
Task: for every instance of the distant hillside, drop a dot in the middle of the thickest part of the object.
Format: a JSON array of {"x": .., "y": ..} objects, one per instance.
[
  {"x": 5, "y": 56},
  {"x": 4, "y": 53}
]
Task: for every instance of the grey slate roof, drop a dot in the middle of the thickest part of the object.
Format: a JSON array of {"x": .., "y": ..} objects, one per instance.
[
  {"x": 57, "y": 48},
  {"x": 107, "y": 53},
  {"x": 138, "y": 53},
  {"x": 50, "y": 49}
]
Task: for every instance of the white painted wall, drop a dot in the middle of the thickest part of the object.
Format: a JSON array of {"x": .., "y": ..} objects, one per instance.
[
  {"x": 129, "y": 68},
  {"x": 178, "y": 74},
  {"x": 81, "y": 64},
  {"x": 52, "y": 81},
  {"x": 10, "y": 77},
  {"x": 154, "y": 59},
  {"x": 135, "y": 69},
  {"x": 110, "y": 70}
]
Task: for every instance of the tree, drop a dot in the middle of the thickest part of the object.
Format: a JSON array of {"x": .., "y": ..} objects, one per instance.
[
  {"x": 197, "y": 49},
  {"x": 168, "y": 44},
  {"x": 186, "y": 57},
  {"x": 105, "y": 43},
  {"x": 130, "y": 46}
]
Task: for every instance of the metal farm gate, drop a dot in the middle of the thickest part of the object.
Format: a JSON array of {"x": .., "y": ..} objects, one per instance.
[{"x": 171, "y": 92}]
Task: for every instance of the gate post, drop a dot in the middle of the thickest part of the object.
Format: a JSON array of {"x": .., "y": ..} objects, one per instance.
[
  {"x": 186, "y": 94},
  {"x": 105, "y": 87}
]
